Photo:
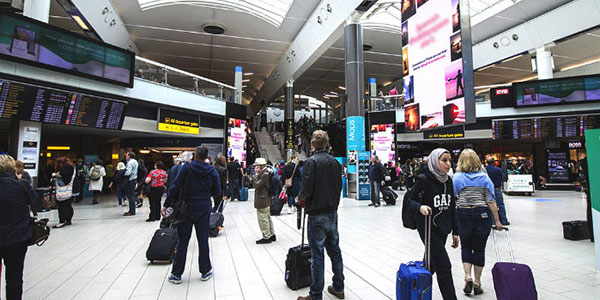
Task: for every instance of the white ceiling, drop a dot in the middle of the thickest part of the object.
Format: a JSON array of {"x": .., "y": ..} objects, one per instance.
[{"x": 173, "y": 35}]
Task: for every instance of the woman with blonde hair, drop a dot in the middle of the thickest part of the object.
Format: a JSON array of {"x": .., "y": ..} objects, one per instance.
[
  {"x": 221, "y": 167},
  {"x": 475, "y": 201}
]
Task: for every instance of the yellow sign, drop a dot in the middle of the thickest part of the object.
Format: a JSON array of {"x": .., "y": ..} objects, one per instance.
[
  {"x": 58, "y": 148},
  {"x": 115, "y": 156},
  {"x": 179, "y": 128}
]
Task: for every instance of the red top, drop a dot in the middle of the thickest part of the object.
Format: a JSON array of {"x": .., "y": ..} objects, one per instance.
[{"x": 157, "y": 178}]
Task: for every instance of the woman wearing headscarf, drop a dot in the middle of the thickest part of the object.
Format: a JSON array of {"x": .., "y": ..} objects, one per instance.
[
  {"x": 475, "y": 201},
  {"x": 433, "y": 195}
]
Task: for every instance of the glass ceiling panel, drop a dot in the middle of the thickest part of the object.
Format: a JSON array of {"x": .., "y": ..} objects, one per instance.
[{"x": 270, "y": 11}]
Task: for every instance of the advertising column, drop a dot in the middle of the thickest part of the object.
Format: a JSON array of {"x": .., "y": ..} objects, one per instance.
[
  {"x": 358, "y": 157},
  {"x": 592, "y": 141},
  {"x": 29, "y": 146}
]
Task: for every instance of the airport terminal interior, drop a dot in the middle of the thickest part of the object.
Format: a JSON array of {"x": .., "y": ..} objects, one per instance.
[{"x": 274, "y": 134}]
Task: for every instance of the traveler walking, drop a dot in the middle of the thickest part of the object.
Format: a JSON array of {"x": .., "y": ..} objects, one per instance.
[
  {"x": 63, "y": 180},
  {"x": 376, "y": 177},
  {"x": 15, "y": 229},
  {"x": 497, "y": 177},
  {"x": 262, "y": 200},
  {"x": 82, "y": 174},
  {"x": 122, "y": 182},
  {"x": 131, "y": 172},
  {"x": 433, "y": 194},
  {"x": 292, "y": 180},
  {"x": 142, "y": 172},
  {"x": 97, "y": 173},
  {"x": 320, "y": 195},
  {"x": 474, "y": 204},
  {"x": 195, "y": 184},
  {"x": 221, "y": 167},
  {"x": 156, "y": 179},
  {"x": 235, "y": 177}
]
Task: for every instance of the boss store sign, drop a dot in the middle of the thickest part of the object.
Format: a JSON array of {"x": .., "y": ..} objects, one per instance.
[{"x": 502, "y": 97}]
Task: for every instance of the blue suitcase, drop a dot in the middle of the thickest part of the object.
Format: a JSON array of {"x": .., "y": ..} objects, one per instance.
[
  {"x": 244, "y": 194},
  {"x": 413, "y": 280}
]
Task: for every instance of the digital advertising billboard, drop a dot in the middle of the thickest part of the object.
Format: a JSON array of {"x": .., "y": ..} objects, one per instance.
[
  {"x": 32, "y": 42},
  {"x": 237, "y": 130},
  {"x": 383, "y": 137},
  {"x": 437, "y": 63}
]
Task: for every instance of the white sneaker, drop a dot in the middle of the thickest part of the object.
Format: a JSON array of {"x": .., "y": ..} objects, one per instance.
[{"x": 290, "y": 210}]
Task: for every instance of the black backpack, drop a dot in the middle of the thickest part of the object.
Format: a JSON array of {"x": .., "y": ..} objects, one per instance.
[{"x": 409, "y": 216}]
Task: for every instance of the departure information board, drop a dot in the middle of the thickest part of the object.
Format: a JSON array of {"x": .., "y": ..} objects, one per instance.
[
  {"x": 538, "y": 128},
  {"x": 41, "y": 104}
]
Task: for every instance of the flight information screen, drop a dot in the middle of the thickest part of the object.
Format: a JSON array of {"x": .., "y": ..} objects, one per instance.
[{"x": 41, "y": 104}]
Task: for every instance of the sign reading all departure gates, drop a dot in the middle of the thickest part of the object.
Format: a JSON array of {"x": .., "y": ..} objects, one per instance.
[
  {"x": 174, "y": 121},
  {"x": 437, "y": 64}
]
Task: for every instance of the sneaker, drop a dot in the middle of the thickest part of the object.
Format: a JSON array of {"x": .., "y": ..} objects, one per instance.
[
  {"x": 139, "y": 204},
  {"x": 263, "y": 241},
  {"x": 174, "y": 279},
  {"x": 371, "y": 204},
  {"x": 273, "y": 238},
  {"x": 206, "y": 276},
  {"x": 290, "y": 210}
]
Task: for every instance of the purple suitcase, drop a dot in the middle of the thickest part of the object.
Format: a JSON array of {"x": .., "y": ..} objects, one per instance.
[{"x": 512, "y": 281}]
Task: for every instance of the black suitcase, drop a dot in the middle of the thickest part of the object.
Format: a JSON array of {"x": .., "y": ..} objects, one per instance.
[
  {"x": 216, "y": 220},
  {"x": 576, "y": 230},
  {"x": 389, "y": 196},
  {"x": 297, "y": 265},
  {"x": 276, "y": 206},
  {"x": 162, "y": 246}
]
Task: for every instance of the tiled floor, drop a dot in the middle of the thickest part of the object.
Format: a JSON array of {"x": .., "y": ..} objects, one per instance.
[{"x": 102, "y": 255}]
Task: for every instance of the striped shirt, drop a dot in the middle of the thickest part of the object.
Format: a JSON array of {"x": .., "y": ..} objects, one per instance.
[{"x": 473, "y": 196}]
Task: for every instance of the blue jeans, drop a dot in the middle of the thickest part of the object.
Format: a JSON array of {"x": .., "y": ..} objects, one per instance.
[
  {"x": 130, "y": 192},
  {"x": 323, "y": 234},
  {"x": 375, "y": 190},
  {"x": 474, "y": 227},
  {"x": 200, "y": 222},
  {"x": 121, "y": 195},
  {"x": 501, "y": 209}
]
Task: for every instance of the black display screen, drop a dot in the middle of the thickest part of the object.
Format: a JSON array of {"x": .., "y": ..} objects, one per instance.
[
  {"x": 41, "y": 104},
  {"x": 539, "y": 128},
  {"x": 557, "y": 91}
]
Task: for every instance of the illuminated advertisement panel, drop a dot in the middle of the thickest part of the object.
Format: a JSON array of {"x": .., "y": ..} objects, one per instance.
[
  {"x": 437, "y": 72},
  {"x": 382, "y": 142},
  {"x": 237, "y": 130}
]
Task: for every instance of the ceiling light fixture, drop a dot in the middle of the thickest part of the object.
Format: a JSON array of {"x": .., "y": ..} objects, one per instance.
[
  {"x": 585, "y": 63},
  {"x": 80, "y": 22},
  {"x": 332, "y": 92},
  {"x": 342, "y": 88},
  {"x": 248, "y": 74},
  {"x": 245, "y": 80},
  {"x": 244, "y": 86}
]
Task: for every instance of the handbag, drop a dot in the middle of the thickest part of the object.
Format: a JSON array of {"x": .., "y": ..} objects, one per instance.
[
  {"x": 66, "y": 191},
  {"x": 289, "y": 181},
  {"x": 40, "y": 231}
]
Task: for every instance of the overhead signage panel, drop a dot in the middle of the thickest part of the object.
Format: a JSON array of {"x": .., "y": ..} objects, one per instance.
[{"x": 174, "y": 121}]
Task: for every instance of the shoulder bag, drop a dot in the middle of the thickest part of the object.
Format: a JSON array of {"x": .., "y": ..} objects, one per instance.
[
  {"x": 289, "y": 181},
  {"x": 39, "y": 228},
  {"x": 66, "y": 191}
]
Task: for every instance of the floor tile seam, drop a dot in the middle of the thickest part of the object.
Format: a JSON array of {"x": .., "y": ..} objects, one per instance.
[
  {"x": 253, "y": 261},
  {"x": 73, "y": 272}
]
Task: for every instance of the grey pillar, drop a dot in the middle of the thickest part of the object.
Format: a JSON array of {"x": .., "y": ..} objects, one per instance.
[
  {"x": 353, "y": 40},
  {"x": 288, "y": 114}
]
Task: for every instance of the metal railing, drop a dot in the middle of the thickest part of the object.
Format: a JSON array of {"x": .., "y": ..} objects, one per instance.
[{"x": 154, "y": 71}]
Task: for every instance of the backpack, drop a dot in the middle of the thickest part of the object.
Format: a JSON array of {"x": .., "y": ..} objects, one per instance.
[
  {"x": 409, "y": 217},
  {"x": 141, "y": 171},
  {"x": 95, "y": 173}
]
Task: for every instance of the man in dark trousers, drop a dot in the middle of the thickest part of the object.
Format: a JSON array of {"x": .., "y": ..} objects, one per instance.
[
  {"x": 376, "y": 176},
  {"x": 196, "y": 183},
  {"x": 320, "y": 195},
  {"x": 497, "y": 176},
  {"x": 235, "y": 177},
  {"x": 588, "y": 197}
]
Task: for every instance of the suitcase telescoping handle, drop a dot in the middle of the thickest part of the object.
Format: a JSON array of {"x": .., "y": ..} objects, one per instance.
[
  {"x": 510, "y": 247},
  {"x": 303, "y": 224},
  {"x": 428, "y": 220}
]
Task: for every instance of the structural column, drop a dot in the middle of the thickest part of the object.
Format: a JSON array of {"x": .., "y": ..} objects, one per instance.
[
  {"x": 238, "y": 85},
  {"x": 545, "y": 64},
  {"x": 37, "y": 9},
  {"x": 353, "y": 40},
  {"x": 288, "y": 115}
]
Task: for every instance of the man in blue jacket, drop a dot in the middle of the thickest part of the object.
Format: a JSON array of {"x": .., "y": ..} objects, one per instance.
[{"x": 196, "y": 183}]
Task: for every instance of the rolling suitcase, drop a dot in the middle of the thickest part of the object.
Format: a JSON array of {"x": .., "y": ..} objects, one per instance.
[
  {"x": 162, "y": 246},
  {"x": 575, "y": 230},
  {"x": 389, "y": 196},
  {"x": 243, "y": 191},
  {"x": 413, "y": 280},
  {"x": 276, "y": 206},
  {"x": 216, "y": 220},
  {"x": 297, "y": 264},
  {"x": 512, "y": 281}
]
